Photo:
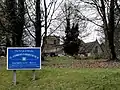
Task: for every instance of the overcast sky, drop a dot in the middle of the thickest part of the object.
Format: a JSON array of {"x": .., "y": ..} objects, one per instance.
[
  {"x": 87, "y": 12},
  {"x": 91, "y": 14}
]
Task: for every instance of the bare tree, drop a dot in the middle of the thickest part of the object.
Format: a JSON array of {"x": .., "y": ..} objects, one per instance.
[
  {"x": 42, "y": 19},
  {"x": 106, "y": 10}
]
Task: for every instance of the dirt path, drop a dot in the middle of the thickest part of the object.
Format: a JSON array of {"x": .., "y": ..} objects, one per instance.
[{"x": 87, "y": 64}]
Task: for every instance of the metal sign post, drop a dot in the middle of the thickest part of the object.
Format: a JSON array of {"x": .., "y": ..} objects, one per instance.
[
  {"x": 33, "y": 75},
  {"x": 14, "y": 77}
]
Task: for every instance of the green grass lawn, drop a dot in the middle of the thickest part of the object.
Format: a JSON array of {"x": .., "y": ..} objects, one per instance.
[
  {"x": 62, "y": 79},
  {"x": 50, "y": 78}
]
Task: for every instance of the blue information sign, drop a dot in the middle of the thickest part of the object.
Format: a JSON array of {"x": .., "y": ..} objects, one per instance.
[{"x": 23, "y": 58}]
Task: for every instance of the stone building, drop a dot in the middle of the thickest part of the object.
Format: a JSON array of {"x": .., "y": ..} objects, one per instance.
[
  {"x": 91, "y": 49},
  {"x": 52, "y": 46}
]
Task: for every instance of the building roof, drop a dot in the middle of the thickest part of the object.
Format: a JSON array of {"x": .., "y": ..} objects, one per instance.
[{"x": 87, "y": 47}]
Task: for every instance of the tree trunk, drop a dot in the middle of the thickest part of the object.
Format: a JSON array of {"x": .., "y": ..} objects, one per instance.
[
  {"x": 111, "y": 31},
  {"x": 21, "y": 22},
  {"x": 44, "y": 38},
  {"x": 11, "y": 9},
  {"x": 38, "y": 24},
  {"x": 109, "y": 28},
  {"x": 112, "y": 47},
  {"x": 107, "y": 49}
]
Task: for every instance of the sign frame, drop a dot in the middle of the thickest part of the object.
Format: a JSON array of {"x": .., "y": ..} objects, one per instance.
[{"x": 24, "y": 48}]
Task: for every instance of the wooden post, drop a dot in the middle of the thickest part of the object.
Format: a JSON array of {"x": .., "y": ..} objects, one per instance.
[
  {"x": 14, "y": 77},
  {"x": 33, "y": 74}
]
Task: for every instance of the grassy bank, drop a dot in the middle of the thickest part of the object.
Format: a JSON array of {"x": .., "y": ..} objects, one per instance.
[
  {"x": 62, "y": 79},
  {"x": 64, "y": 73}
]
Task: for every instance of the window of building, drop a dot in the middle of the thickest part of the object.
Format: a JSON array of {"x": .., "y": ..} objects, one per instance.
[{"x": 55, "y": 42}]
